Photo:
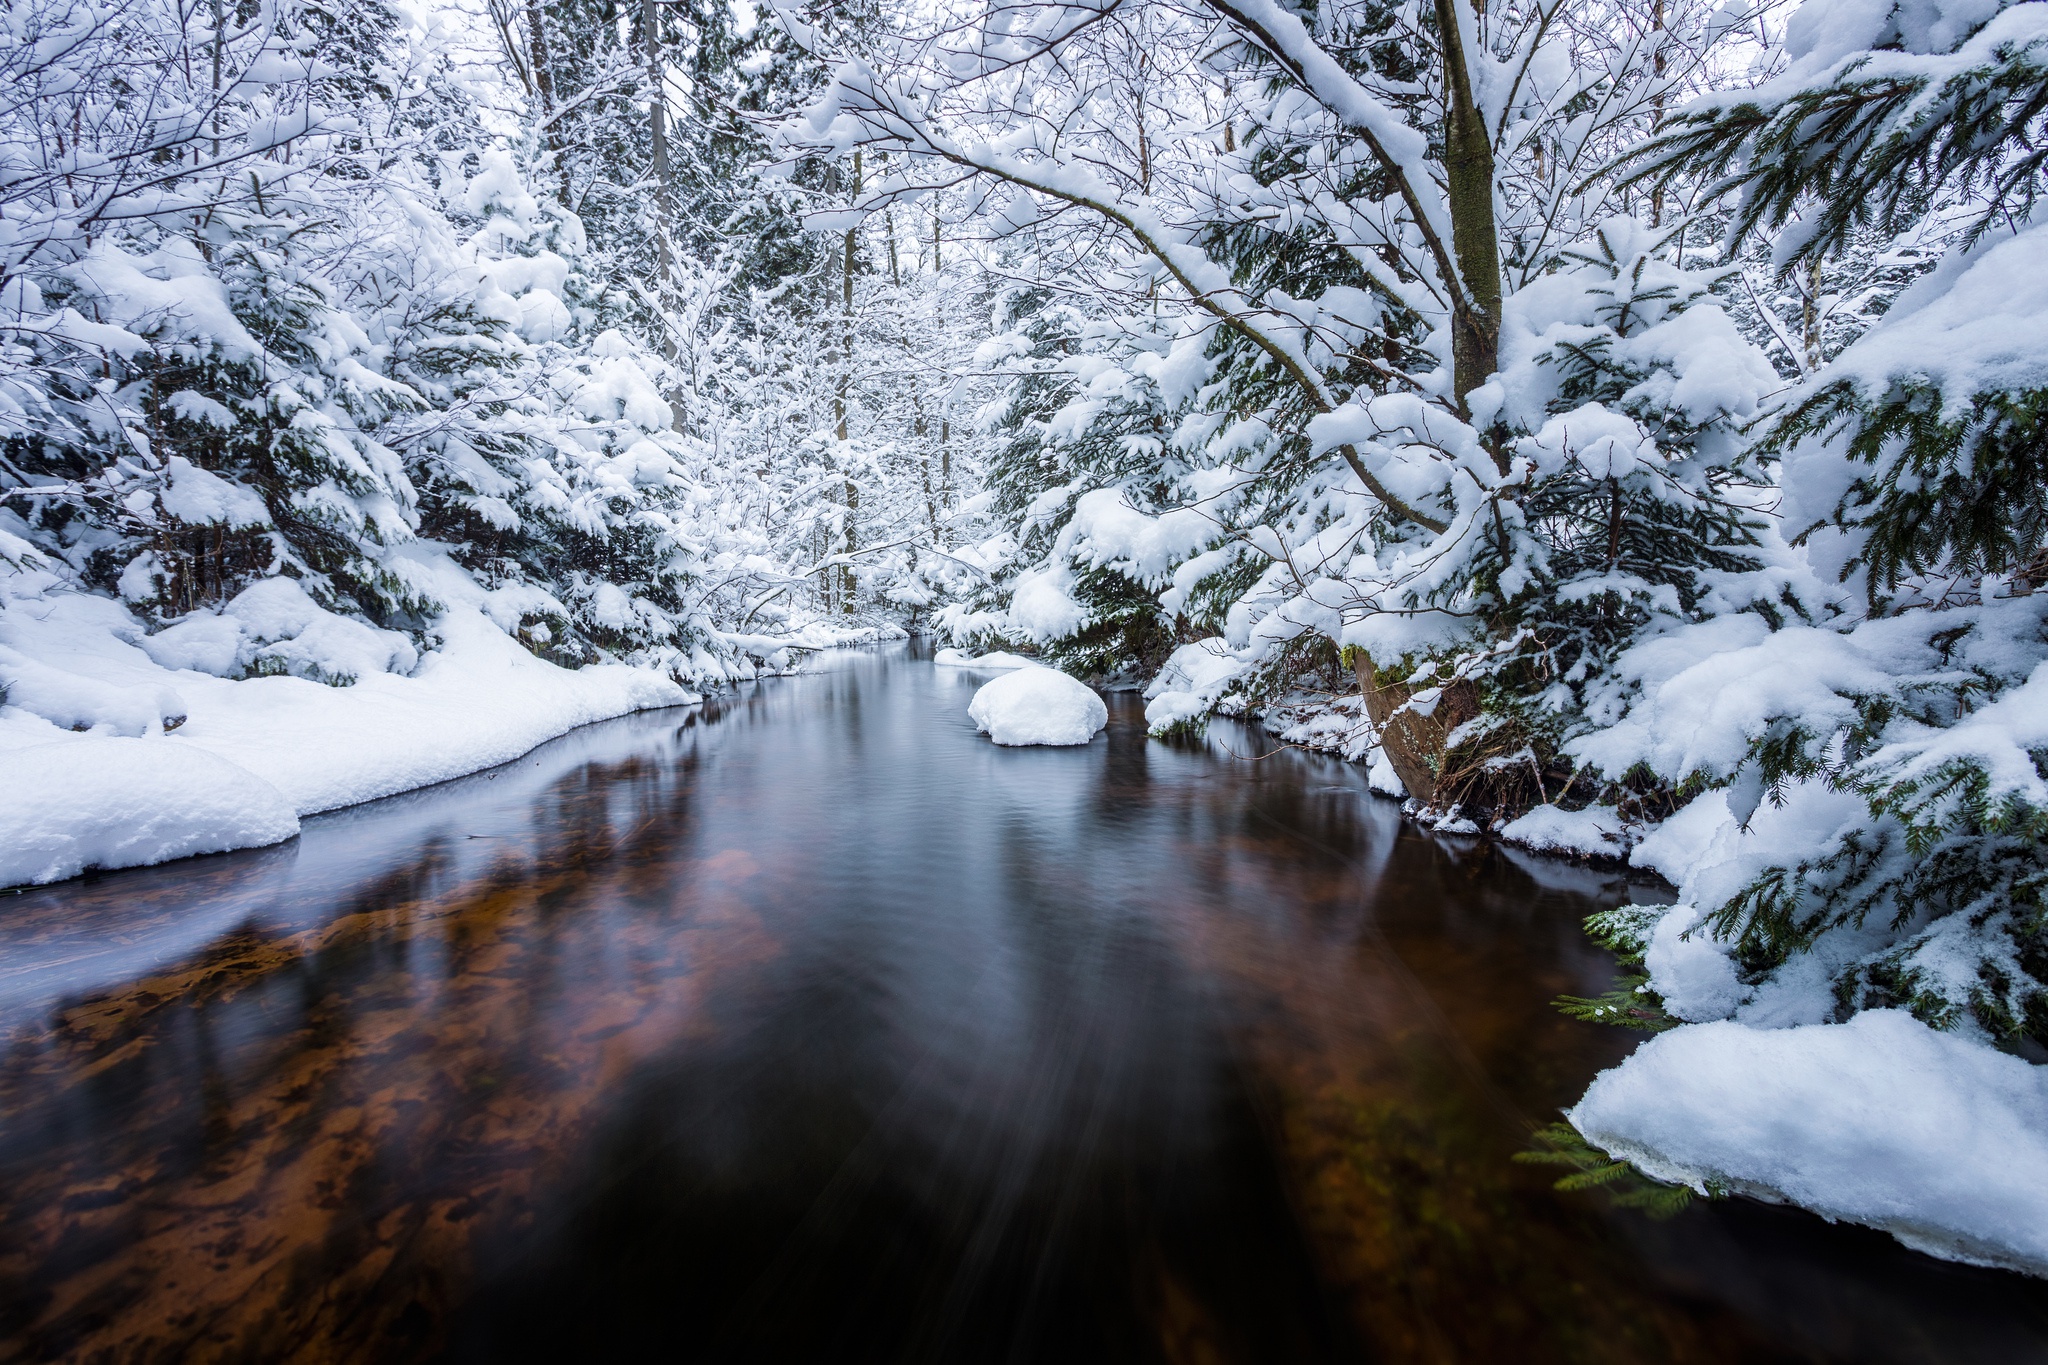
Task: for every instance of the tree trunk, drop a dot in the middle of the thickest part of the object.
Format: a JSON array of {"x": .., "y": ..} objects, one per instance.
[
  {"x": 1413, "y": 742},
  {"x": 544, "y": 86},
  {"x": 849, "y": 586},
  {"x": 1657, "y": 103},
  {"x": 841, "y": 401},
  {"x": 1468, "y": 169},
  {"x": 657, "y": 138}
]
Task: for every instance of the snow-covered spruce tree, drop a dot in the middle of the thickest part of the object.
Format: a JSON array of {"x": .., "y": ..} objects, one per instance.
[
  {"x": 1321, "y": 233},
  {"x": 1644, "y": 500},
  {"x": 348, "y": 347},
  {"x": 1883, "y": 833},
  {"x": 266, "y": 389},
  {"x": 546, "y": 460},
  {"x": 190, "y": 407},
  {"x": 1075, "y": 421},
  {"x": 728, "y": 205}
]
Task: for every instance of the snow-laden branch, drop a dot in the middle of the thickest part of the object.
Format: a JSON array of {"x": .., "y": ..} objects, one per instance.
[
  {"x": 864, "y": 108},
  {"x": 1401, "y": 149}
]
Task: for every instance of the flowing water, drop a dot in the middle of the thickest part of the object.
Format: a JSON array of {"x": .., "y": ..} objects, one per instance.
[{"x": 815, "y": 1028}]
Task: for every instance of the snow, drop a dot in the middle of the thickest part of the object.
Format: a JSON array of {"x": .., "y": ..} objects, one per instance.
[
  {"x": 284, "y": 629},
  {"x": 1978, "y": 323},
  {"x": 1690, "y": 969},
  {"x": 72, "y": 701},
  {"x": 194, "y": 495},
  {"x": 1595, "y": 832},
  {"x": 174, "y": 761},
  {"x": 1883, "y": 1121},
  {"x": 1037, "y": 706},
  {"x": 1106, "y": 529},
  {"x": 1382, "y": 778},
  {"x": 1195, "y": 677},
  {"x": 104, "y": 801},
  {"x": 813, "y": 635},
  {"x": 991, "y": 662},
  {"x": 1709, "y": 691},
  {"x": 201, "y": 643},
  {"x": 1043, "y": 606},
  {"x": 1823, "y": 32},
  {"x": 1712, "y": 369},
  {"x": 1679, "y": 843},
  {"x": 478, "y": 701}
]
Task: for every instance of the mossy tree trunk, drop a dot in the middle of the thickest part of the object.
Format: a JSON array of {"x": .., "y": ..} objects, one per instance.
[{"x": 1413, "y": 740}]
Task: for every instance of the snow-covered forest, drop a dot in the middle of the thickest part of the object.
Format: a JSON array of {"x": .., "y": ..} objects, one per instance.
[
  {"x": 369, "y": 345},
  {"x": 1617, "y": 424}
]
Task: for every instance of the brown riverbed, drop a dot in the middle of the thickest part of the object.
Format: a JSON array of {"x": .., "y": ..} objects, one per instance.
[{"x": 818, "y": 1029}]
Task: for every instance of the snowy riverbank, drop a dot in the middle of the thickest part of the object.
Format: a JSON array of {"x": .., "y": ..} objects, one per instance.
[
  {"x": 243, "y": 760},
  {"x": 1938, "y": 1140},
  {"x": 121, "y": 747},
  {"x": 1934, "y": 1136}
]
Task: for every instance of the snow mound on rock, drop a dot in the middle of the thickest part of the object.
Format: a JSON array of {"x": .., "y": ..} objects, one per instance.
[
  {"x": 1037, "y": 706},
  {"x": 1938, "y": 1140},
  {"x": 272, "y": 626},
  {"x": 99, "y": 801},
  {"x": 76, "y": 701}
]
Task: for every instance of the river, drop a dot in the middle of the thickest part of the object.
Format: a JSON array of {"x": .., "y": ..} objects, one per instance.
[{"x": 813, "y": 1027}]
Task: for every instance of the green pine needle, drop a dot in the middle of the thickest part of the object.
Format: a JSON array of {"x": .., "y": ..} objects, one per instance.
[{"x": 1627, "y": 1187}]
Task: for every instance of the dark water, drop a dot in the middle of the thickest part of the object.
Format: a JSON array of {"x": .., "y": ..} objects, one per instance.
[{"x": 821, "y": 1030}]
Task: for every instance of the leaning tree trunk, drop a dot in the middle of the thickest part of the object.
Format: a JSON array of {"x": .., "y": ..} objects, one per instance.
[{"x": 1412, "y": 740}]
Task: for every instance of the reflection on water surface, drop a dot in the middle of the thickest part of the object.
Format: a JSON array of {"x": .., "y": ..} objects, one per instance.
[{"x": 822, "y": 1030}]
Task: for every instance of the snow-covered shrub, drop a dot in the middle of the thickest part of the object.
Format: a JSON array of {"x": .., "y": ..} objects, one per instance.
[
  {"x": 1637, "y": 510},
  {"x": 272, "y": 627},
  {"x": 1090, "y": 463},
  {"x": 1886, "y": 762}
]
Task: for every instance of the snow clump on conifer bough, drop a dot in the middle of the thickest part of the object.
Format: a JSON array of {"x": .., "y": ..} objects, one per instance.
[
  {"x": 993, "y": 661},
  {"x": 1938, "y": 1140},
  {"x": 1038, "y": 706},
  {"x": 119, "y": 748},
  {"x": 1194, "y": 680}
]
